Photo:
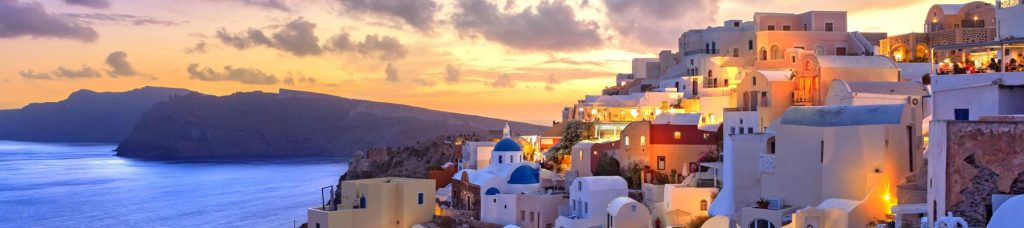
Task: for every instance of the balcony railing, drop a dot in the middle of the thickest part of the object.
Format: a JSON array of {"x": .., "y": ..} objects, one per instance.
[
  {"x": 803, "y": 96},
  {"x": 701, "y": 51}
]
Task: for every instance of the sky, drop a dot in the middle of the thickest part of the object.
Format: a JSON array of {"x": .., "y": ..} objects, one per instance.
[{"x": 510, "y": 59}]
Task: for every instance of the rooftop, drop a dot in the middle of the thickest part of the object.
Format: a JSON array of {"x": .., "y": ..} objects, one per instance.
[{"x": 843, "y": 115}]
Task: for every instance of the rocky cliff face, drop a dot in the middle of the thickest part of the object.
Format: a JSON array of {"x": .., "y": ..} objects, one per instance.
[
  {"x": 85, "y": 116},
  {"x": 290, "y": 123},
  {"x": 409, "y": 161}
]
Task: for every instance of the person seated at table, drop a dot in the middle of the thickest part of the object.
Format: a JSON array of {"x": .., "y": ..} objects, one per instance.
[
  {"x": 993, "y": 65},
  {"x": 1013, "y": 65},
  {"x": 970, "y": 68}
]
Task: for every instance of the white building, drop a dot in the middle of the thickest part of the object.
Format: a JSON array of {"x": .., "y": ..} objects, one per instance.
[
  {"x": 625, "y": 212},
  {"x": 833, "y": 165},
  {"x": 967, "y": 97},
  {"x": 476, "y": 155},
  {"x": 589, "y": 198},
  {"x": 506, "y": 175}
]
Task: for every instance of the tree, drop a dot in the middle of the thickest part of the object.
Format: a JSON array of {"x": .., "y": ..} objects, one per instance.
[
  {"x": 607, "y": 166},
  {"x": 575, "y": 131}
]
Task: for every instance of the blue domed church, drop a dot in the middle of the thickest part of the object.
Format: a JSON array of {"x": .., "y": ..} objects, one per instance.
[{"x": 507, "y": 173}]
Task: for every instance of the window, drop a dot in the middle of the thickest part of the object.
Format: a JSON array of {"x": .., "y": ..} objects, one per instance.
[
  {"x": 703, "y": 205},
  {"x": 741, "y": 130},
  {"x": 511, "y": 159},
  {"x": 750, "y": 44},
  {"x": 841, "y": 51},
  {"x": 586, "y": 208},
  {"x": 661, "y": 162},
  {"x": 522, "y": 215},
  {"x": 735, "y": 52},
  {"x": 677, "y": 135},
  {"x": 961, "y": 114},
  {"x": 643, "y": 140},
  {"x": 786, "y": 28},
  {"x": 805, "y": 26},
  {"x": 793, "y": 59},
  {"x": 828, "y": 26},
  {"x": 819, "y": 50},
  {"x": 732, "y": 130},
  {"x": 501, "y": 159},
  {"x": 763, "y": 54},
  {"x": 419, "y": 198},
  {"x": 750, "y": 130},
  {"x": 318, "y": 225},
  {"x": 531, "y": 216},
  {"x": 735, "y": 24},
  {"x": 771, "y": 28},
  {"x": 822, "y": 151},
  {"x": 580, "y": 186},
  {"x": 754, "y": 80},
  {"x": 771, "y": 145}
]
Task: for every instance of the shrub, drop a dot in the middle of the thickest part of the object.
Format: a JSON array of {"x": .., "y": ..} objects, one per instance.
[{"x": 696, "y": 221}]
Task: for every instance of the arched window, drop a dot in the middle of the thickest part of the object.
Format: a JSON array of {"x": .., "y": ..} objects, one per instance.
[
  {"x": 819, "y": 50},
  {"x": 703, "y": 205},
  {"x": 501, "y": 159},
  {"x": 763, "y": 54},
  {"x": 761, "y": 223},
  {"x": 776, "y": 52},
  {"x": 626, "y": 141},
  {"x": 643, "y": 140}
]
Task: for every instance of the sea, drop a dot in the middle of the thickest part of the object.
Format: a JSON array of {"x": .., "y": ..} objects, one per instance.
[{"x": 85, "y": 185}]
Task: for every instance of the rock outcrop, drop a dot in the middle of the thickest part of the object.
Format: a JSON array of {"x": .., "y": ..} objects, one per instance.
[{"x": 85, "y": 116}]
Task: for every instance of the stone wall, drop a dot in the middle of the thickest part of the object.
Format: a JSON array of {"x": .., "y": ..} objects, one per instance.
[{"x": 983, "y": 158}]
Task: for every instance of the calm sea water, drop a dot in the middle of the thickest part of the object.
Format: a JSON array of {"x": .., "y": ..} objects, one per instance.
[{"x": 84, "y": 185}]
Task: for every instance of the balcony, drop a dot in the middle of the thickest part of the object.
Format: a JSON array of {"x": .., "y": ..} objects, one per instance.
[
  {"x": 701, "y": 51},
  {"x": 803, "y": 97}
]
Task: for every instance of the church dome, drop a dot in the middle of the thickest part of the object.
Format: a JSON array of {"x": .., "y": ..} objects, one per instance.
[{"x": 507, "y": 145}]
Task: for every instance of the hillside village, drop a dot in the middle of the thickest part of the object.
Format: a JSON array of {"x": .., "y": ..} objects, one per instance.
[{"x": 786, "y": 120}]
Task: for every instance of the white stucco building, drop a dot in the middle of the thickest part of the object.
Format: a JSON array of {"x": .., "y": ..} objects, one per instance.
[{"x": 589, "y": 198}]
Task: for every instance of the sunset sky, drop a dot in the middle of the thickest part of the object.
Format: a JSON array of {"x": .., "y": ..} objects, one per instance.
[{"x": 513, "y": 59}]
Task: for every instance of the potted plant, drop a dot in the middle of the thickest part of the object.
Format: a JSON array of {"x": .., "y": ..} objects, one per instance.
[{"x": 762, "y": 203}]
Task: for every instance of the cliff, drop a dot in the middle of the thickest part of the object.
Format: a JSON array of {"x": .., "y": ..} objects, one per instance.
[
  {"x": 290, "y": 123},
  {"x": 85, "y": 116}
]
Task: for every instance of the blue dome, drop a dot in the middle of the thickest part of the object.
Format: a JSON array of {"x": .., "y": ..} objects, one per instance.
[
  {"x": 525, "y": 175},
  {"x": 492, "y": 191},
  {"x": 506, "y": 145}
]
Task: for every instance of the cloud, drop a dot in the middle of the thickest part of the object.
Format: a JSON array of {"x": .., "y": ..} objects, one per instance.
[
  {"x": 646, "y": 24},
  {"x": 269, "y": 4},
  {"x": 296, "y": 37},
  {"x": 121, "y": 19},
  {"x": 243, "y": 75},
  {"x": 391, "y": 72},
  {"x": 85, "y": 72},
  {"x": 119, "y": 66},
  {"x": 452, "y": 74},
  {"x": 299, "y": 78},
  {"x": 30, "y": 74},
  {"x": 416, "y": 13},
  {"x": 198, "y": 48},
  {"x": 97, "y": 4},
  {"x": 548, "y": 26},
  {"x": 503, "y": 81},
  {"x": 424, "y": 82},
  {"x": 385, "y": 48},
  {"x": 31, "y": 19},
  {"x": 552, "y": 79}
]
